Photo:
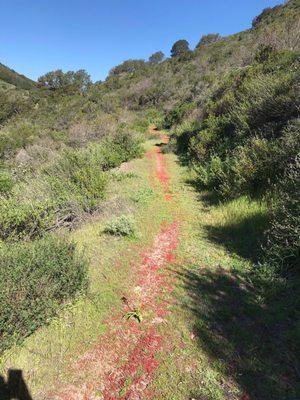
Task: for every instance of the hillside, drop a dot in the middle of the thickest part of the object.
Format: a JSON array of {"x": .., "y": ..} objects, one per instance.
[
  {"x": 149, "y": 223},
  {"x": 13, "y": 78}
]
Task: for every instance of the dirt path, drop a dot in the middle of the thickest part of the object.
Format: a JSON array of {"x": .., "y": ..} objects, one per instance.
[{"x": 121, "y": 365}]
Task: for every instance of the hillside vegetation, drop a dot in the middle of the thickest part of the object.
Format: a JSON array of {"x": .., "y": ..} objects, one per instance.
[
  {"x": 231, "y": 107},
  {"x": 11, "y": 77}
]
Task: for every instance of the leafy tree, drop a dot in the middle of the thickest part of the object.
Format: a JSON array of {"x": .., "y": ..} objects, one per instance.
[
  {"x": 180, "y": 48},
  {"x": 68, "y": 81},
  {"x": 157, "y": 57},
  {"x": 208, "y": 39},
  {"x": 128, "y": 66}
]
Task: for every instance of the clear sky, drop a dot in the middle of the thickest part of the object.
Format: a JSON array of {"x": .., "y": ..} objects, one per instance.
[{"x": 37, "y": 36}]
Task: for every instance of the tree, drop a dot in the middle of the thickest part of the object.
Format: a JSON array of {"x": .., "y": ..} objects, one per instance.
[
  {"x": 157, "y": 57},
  {"x": 128, "y": 66},
  {"x": 71, "y": 81},
  {"x": 208, "y": 39},
  {"x": 180, "y": 48}
]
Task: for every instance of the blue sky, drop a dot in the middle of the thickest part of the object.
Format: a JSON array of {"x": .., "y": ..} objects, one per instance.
[{"x": 37, "y": 36}]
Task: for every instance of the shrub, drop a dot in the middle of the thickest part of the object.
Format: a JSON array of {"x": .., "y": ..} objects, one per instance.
[
  {"x": 36, "y": 279},
  {"x": 20, "y": 220},
  {"x": 283, "y": 250},
  {"x": 121, "y": 226},
  {"x": 78, "y": 175},
  {"x": 208, "y": 39},
  {"x": 6, "y": 183},
  {"x": 17, "y": 136},
  {"x": 118, "y": 149}
]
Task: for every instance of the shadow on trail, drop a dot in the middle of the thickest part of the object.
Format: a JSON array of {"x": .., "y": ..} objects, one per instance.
[
  {"x": 256, "y": 342},
  {"x": 243, "y": 237},
  {"x": 15, "y": 387},
  {"x": 246, "y": 320}
]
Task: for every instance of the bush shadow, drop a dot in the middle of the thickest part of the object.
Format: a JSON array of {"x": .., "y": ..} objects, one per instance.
[
  {"x": 251, "y": 339},
  {"x": 243, "y": 237}
]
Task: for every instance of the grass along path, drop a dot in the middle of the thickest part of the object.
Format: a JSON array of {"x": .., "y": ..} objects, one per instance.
[
  {"x": 122, "y": 363},
  {"x": 200, "y": 334}
]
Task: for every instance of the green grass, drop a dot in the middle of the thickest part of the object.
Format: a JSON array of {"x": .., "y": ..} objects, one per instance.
[
  {"x": 50, "y": 350},
  {"x": 226, "y": 336},
  {"x": 234, "y": 332}
]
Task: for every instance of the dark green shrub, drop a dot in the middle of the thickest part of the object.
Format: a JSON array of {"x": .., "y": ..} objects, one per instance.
[
  {"x": 177, "y": 114},
  {"x": 248, "y": 133},
  {"x": 118, "y": 149},
  {"x": 283, "y": 250},
  {"x": 36, "y": 279},
  {"x": 20, "y": 220},
  {"x": 180, "y": 48}
]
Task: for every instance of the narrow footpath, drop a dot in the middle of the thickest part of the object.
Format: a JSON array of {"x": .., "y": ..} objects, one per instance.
[{"x": 121, "y": 365}]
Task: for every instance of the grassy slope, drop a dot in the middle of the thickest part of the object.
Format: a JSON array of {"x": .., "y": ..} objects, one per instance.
[{"x": 13, "y": 78}]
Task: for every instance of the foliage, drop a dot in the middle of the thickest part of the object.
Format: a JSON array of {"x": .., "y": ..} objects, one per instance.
[
  {"x": 10, "y": 76},
  {"x": 128, "y": 66},
  {"x": 208, "y": 39},
  {"x": 282, "y": 250},
  {"x": 157, "y": 57},
  {"x": 121, "y": 226},
  {"x": 23, "y": 220},
  {"x": 67, "y": 81},
  {"x": 179, "y": 48},
  {"x": 36, "y": 279},
  {"x": 267, "y": 12},
  {"x": 118, "y": 149},
  {"x": 6, "y": 183}
]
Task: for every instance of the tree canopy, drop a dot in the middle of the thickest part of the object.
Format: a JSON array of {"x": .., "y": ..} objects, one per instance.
[
  {"x": 71, "y": 81},
  {"x": 157, "y": 57},
  {"x": 180, "y": 48},
  {"x": 127, "y": 67}
]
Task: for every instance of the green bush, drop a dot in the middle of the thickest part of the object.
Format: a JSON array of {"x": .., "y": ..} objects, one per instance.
[
  {"x": 121, "y": 226},
  {"x": 78, "y": 178},
  {"x": 20, "y": 220},
  {"x": 118, "y": 149},
  {"x": 249, "y": 130},
  {"x": 18, "y": 135},
  {"x": 6, "y": 183},
  {"x": 36, "y": 279},
  {"x": 283, "y": 250}
]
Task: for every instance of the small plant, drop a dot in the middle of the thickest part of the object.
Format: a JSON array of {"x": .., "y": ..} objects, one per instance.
[
  {"x": 121, "y": 226},
  {"x": 6, "y": 183},
  {"x": 119, "y": 176},
  {"x": 142, "y": 196},
  {"x": 136, "y": 314}
]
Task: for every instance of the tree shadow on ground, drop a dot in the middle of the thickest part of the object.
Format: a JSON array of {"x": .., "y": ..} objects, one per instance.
[
  {"x": 243, "y": 237},
  {"x": 15, "y": 387},
  {"x": 257, "y": 342}
]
